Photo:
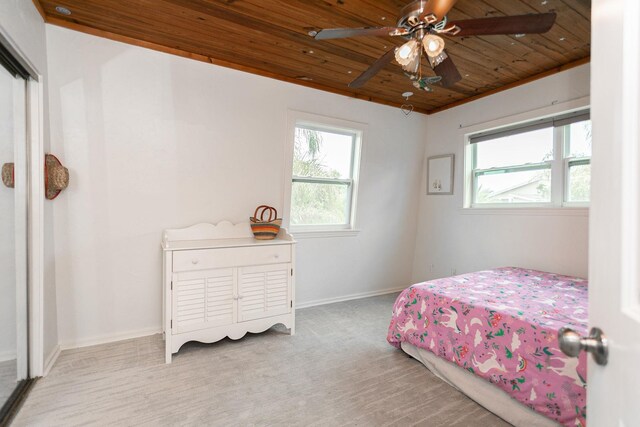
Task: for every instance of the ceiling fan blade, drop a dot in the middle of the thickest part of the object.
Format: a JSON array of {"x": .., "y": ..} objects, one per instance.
[
  {"x": 448, "y": 71},
  {"x": 520, "y": 24},
  {"x": 439, "y": 8},
  {"x": 341, "y": 33},
  {"x": 373, "y": 69}
]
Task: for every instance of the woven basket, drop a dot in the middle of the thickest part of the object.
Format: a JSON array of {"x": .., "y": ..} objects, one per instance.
[
  {"x": 265, "y": 229},
  {"x": 8, "y": 175}
]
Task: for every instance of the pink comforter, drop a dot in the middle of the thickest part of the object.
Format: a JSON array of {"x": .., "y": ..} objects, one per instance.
[{"x": 502, "y": 325}]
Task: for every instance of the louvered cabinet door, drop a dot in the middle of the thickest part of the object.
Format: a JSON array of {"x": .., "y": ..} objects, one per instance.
[
  {"x": 203, "y": 299},
  {"x": 264, "y": 291}
]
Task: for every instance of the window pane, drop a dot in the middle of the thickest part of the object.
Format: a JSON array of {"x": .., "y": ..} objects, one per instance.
[
  {"x": 514, "y": 187},
  {"x": 529, "y": 147},
  {"x": 579, "y": 183},
  {"x": 322, "y": 154},
  {"x": 314, "y": 204},
  {"x": 579, "y": 139}
]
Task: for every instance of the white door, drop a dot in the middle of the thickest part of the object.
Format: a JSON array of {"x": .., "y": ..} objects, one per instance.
[
  {"x": 13, "y": 235},
  {"x": 613, "y": 393},
  {"x": 264, "y": 291}
]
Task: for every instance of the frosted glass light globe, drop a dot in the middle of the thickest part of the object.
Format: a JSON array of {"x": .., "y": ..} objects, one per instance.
[
  {"x": 408, "y": 52},
  {"x": 433, "y": 45}
]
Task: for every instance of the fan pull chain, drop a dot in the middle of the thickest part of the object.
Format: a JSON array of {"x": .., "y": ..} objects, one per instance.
[{"x": 407, "y": 108}]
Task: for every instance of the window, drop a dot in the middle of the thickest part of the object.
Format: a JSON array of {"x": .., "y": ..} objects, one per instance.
[
  {"x": 577, "y": 155},
  {"x": 527, "y": 164},
  {"x": 324, "y": 178}
]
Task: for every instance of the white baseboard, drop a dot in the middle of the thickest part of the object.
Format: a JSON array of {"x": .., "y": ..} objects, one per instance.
[
  {"x": 7, "y": 355},
  {"x": 360, "y": 295},
  {"x": 51, "y": 360},
  {"x": 108, "y": 338}
]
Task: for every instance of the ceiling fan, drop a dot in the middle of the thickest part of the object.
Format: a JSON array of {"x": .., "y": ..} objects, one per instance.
[{"x": 422, "y": 22}]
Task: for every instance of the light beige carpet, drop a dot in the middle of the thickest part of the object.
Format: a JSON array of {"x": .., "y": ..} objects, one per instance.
[
  {"x": 8, "y": 375},
  {"x": 337, "y": 370}
]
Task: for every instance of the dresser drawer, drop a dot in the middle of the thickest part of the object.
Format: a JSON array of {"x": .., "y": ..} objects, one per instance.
[{"x": 230, "y": 257}]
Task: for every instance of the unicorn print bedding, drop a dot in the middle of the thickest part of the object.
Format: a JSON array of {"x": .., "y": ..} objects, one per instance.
[{"x": 502, "y": 325}]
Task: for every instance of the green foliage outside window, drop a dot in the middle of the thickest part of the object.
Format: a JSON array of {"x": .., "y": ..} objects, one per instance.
[{"x": 314, "y": 203}]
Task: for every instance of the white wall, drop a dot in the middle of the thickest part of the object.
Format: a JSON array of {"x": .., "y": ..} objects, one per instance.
[
  {"x": 155, "y": 141},
  {"x": 449, "y": 238},
  {"x": 21, "y": 23}
]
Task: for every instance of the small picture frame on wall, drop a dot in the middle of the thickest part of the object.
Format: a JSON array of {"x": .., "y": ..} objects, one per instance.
[{"x": 440, "y": 174}]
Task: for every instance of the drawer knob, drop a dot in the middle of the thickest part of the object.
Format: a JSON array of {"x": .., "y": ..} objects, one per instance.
[
  {"x": 276, "y": 256},
  {"x": 194, "y": 261}
]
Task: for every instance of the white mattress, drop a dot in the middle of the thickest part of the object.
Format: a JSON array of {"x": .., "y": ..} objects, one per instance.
[{"x": 486, "y": 394}]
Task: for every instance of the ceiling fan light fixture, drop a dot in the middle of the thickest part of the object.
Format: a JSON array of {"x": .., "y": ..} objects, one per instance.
[
  {"x": 430, "y": 18},
  {"x": 433, "y": 45},
  {"x": 413, "y": 20},
  {"x": 437, "y": 60},
  {"x": 413, "y": 65},
  {"x": 408, "y": 52}
]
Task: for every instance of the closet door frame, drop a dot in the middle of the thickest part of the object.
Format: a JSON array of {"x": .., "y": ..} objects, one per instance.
[
  {"x": 21, "y": 230},
  {"x": 35, "y": 207}
]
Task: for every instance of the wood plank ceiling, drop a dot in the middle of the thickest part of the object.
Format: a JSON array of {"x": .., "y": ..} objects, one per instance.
[{"x": 270, "y": 38}]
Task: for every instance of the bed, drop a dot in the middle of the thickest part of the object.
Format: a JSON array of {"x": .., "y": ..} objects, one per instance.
[{"x": 494, "y": 332}]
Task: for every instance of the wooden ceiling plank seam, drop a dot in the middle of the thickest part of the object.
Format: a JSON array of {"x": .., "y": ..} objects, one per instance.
[
  {"x": 486, "y": 61},
  {"x": 533, "y": 58},
  {"x": 373, "y": 43},
  {"x": 308, "y": 21},
  {"x": 361, "y": 11},
  {"x": 390, "y": 13},
  {"x": 223, "y": 14},
  {"x": 580, "y": 6},
  {"x": 467, "y": 60},
  {"x": 307, "y": 42}
]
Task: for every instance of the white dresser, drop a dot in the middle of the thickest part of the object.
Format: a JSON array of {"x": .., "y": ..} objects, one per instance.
[{"x": 219, "y": 281}]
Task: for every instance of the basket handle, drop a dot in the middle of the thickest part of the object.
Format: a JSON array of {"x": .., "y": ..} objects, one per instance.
[{"x": 263, "y": 209}]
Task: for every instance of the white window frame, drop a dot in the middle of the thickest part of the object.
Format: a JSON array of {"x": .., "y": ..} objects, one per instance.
[
  {"x": 566, "y": 163},
  {"x": 559, "y": 165},
  {"x": 325, "y": 124}
]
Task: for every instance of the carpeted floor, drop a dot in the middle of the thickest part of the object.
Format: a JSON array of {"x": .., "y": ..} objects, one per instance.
[
  {"x": 8, "y": 375},
  {"x": 337, "y": 370}
]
